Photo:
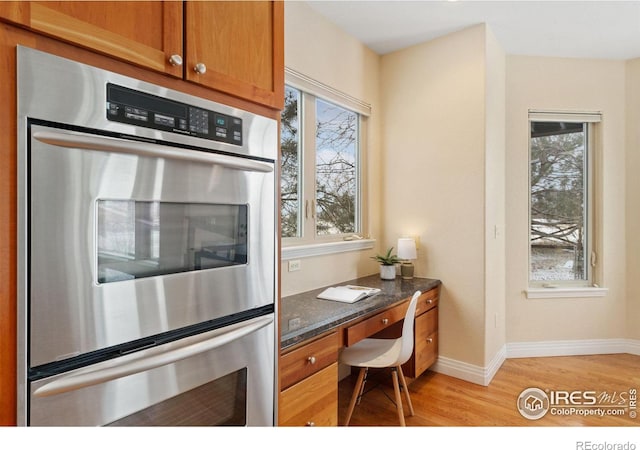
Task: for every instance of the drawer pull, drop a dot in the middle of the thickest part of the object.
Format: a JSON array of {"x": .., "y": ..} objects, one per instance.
[
  {"x": 385, "y": 321},
  {"x": 310, "y": 424},
  {"x": 429, "y": 340},
  {"x": 429, "y": 301},
  {"x": 311, "y": 359}
]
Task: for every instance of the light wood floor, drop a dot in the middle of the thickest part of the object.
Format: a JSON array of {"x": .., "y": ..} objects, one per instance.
[{"x": 440, "y": 400}]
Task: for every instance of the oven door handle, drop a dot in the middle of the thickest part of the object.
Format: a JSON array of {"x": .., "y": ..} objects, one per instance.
[
  {"x": 108, "y": 144},
  {"x": 152, "y": 359}
]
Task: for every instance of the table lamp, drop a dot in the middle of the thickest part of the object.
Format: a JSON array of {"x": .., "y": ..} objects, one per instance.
[{"x": 406, "y": 252}]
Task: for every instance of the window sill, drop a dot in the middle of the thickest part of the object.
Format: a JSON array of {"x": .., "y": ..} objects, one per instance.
[
  {"x": 328, "y": 248},
  {"x": 577, "y": 292}
]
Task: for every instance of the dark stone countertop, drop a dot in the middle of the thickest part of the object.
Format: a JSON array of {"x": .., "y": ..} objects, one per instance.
[{"x": 312, "y": 316}]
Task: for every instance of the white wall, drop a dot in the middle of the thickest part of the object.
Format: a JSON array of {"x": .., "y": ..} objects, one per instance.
[
  {"x": 433, "y": 106},
  {"x": 317, "y": 48},
  {"x": 495, "y": 313},
  {"x": 566, "y": 84},
  {"x": 633, "y": 199}
]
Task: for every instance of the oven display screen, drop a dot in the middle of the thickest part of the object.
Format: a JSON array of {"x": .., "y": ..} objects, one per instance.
[{"x": 138, "y": 239}]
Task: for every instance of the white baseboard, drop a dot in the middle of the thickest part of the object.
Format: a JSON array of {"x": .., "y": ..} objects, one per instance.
[
  {"x": 470, "y": 372},
  {"x": 572, "y": 348},
  {"x": 484, "y": 375}
]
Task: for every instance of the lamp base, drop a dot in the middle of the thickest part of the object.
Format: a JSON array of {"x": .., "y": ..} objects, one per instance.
[{"x": 406, "y": 270}]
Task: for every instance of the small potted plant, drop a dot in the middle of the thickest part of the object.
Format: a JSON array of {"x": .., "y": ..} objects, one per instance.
[{"x": 387, "y": 265}]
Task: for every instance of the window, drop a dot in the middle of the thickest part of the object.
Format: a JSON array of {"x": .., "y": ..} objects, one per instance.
[
  {"x": 322, "y": 138},
  {"x": 561, "y": 219}
]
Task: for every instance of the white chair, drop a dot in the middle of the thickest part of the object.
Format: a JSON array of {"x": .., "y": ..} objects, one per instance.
[{"x": 382, "y": 353}]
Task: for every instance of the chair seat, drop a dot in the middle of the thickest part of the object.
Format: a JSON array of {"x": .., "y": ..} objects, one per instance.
[
  {"x": 376, "y": 353},
  {"x": 381, "y": 353}
]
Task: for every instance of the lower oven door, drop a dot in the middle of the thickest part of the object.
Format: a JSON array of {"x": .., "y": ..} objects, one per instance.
[{"x": 221, "y": 377}]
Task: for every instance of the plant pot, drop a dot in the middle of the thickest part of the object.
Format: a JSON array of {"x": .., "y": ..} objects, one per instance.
[{"x": 387, "y": 272}]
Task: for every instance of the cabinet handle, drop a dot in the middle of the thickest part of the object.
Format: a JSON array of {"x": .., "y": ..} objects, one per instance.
[
  {"x": 200, "y": 68},
  {"x": 430, "y": 301},
  {"x": 385, "y": 321},
  {"x": 310, "y": 424},
  {"x": 429, "y": 340},
  {"x": 311, "y": 359},
  {"x": 175, "y": 60}
]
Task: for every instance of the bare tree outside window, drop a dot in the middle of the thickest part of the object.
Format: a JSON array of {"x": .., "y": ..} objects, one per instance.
[
  {"x": 558, "y": 201},
  {"x": 290, "y": 195},
  {"x": 336, "y": 171},
  {"x": 319, "y": 183}
]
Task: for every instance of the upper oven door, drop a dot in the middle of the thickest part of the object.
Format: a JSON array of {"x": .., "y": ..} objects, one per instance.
[{"x": 129, "y": 239}]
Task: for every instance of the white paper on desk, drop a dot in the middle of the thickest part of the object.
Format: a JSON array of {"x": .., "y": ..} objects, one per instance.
[{"x": 348, "y": 293}]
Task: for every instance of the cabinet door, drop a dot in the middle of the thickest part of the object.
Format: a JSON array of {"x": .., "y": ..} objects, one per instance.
[
  {"x": 145, "y": 33},
  {"x": 238, "y": 47},
  {"x": 311, "y": 402}
]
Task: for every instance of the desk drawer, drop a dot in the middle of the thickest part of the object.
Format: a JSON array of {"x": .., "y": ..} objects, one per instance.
[
  {"x": 428, "y": 300},
  {"x": 426, "y": 353},
  {"x": 372, "y": 325},
  {"x": 311, "y": 402},
  {"x": 425, "y": 350},
  {"x": 426, "y": 324},
  {"x": 308, "y": 359},
  {"x": 426, "y": 343}
]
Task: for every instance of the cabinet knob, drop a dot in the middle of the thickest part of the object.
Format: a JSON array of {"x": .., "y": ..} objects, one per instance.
[
  {"x": 200, "y": 68},
  {"x": 175, "y": 60},
  {"x": 311, "y": 359},
  {"x": 430, "y": 301},
  {"x": 385, "y": 321},
  {"x": 430, "y": 340},
  {"x": 310, "y": 424}
]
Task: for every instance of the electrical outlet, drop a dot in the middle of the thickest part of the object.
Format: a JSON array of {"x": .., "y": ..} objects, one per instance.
[{"x": 294, "y": 265}]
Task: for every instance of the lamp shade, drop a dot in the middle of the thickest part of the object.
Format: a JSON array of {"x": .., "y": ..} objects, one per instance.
[{"x": 407, "y": 248}]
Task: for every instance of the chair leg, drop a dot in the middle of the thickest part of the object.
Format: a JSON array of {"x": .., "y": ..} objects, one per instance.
[
  {"x": 406, "y": 390},
  {"x": 396, "y": 389},
  {"x": 357, "y": 393}
]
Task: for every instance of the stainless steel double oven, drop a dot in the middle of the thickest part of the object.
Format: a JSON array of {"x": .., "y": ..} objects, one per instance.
[{"x": 146, "y": 254}]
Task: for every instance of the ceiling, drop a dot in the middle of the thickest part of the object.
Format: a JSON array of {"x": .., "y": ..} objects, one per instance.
[{"x": 582, "y": 29}]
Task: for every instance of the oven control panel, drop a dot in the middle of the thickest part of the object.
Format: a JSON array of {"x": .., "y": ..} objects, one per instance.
[{"x": 150, "y": 111}]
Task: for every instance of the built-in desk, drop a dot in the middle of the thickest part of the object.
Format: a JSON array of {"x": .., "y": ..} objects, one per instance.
[{"x": 313, "y": 331}]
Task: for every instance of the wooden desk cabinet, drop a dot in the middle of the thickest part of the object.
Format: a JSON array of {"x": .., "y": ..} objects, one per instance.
[
  {"x": 309, "y": 374},
  {"x": 425, "y": 348},
  {"x": 309, "y": 384}
]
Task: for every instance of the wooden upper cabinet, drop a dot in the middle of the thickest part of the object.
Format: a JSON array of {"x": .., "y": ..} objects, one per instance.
[
  {"x": 145, "y": 33},
  {"x": 237, "y": 47}
]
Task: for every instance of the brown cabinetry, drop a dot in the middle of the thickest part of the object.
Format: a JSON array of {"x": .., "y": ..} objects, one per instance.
[
  {"x": 309, "y": 384},
  {"x": 240, "y": 47},
  {"x": 143, "y": 33},
  {"x": 376, "y": 324},
  {"x": 425, "y": 349},
  {"x": 235, "y": 47}
]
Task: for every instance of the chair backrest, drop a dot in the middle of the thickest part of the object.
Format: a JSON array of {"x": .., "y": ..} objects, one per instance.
[{"x": 407, "y": 329}]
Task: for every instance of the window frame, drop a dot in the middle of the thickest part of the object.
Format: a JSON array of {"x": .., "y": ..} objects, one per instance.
[
  {"x": 572, "y": 288},
  {"x": 309, "y": 242}
]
